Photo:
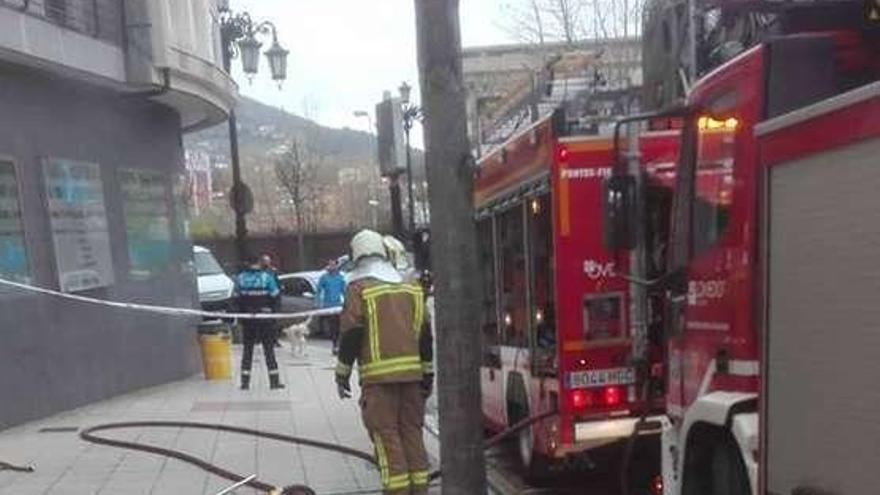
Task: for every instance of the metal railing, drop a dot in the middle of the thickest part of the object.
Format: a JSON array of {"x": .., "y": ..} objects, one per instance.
[{"x": 100, "y": 19}]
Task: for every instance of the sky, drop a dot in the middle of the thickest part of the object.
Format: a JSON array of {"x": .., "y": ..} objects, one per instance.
[{"x": 345, "y": 53}]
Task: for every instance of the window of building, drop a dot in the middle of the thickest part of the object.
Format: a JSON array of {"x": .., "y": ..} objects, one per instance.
[{"x": 13, "y": 253}]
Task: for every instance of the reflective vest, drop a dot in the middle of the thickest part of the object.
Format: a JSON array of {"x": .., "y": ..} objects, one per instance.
[{"x": 391, "y": 316}]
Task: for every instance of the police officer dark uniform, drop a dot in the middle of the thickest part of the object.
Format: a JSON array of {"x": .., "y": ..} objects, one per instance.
[
  {"x": 383, "y": 329},
  {"x": 257, "y": 291}
]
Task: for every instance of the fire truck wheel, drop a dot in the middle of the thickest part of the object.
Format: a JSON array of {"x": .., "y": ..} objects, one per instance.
[{"x": 729, "y": 475}]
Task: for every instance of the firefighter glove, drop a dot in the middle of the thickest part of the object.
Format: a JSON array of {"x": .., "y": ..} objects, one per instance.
[
  {"x": 343, "y": 387},
  {"x": 427, "y": 385}
]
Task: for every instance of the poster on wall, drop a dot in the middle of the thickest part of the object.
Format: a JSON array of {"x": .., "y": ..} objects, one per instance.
[
  {"x": 13, "y": 254},
  {"x": 147, "y": 221},
  {"x": 78, "y": 220}
]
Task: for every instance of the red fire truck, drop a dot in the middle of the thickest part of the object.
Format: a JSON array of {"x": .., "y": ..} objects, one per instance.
[
  {"x": 769, "y": 250},
  {"x": 555, "y": 319}
]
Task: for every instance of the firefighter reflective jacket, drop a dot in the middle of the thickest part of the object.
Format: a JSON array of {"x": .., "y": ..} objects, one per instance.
[{"x": 383, "y": 328}]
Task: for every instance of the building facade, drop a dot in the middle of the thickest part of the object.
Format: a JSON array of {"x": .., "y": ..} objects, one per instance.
[{"x": 94, "y": 98}]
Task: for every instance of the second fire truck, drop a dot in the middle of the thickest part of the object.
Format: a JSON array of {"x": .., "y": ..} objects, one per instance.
[{"x": 766, "y": 329}]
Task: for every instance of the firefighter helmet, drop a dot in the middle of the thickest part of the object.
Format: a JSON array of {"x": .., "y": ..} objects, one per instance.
[
  {"x": 367, "y": 243},
  {"x": 396, "y": 250}
]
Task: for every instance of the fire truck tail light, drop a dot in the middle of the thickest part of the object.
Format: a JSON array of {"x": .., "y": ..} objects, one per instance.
[
  {"x": 657, "y": 485},
  {"x": 612, "y": 396},
  {"x": 562, "y": 153},
  {"x": 580, "y": 399}
]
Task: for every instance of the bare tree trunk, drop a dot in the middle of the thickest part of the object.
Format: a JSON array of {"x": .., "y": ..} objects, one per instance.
[
  {"x": 300, "y": 239},
  {"x": 450, "y": 175}
]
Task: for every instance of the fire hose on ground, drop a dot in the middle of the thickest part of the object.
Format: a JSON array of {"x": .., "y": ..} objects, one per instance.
[
  {"x": 90, "y": 435},
  {"x": 5, "y": 466}
]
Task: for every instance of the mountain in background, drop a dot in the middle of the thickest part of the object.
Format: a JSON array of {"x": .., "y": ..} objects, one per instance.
[
  {"x": 262, "y": 128},
  {"x": 345, "y": 191}
]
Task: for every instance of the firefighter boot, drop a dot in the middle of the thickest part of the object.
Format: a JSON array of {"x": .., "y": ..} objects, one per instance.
[{"x": 275, "y": 380}]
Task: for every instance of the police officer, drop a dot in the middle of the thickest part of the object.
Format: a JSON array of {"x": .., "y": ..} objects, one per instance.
[
  {"x": 267, "y": 264},
  {"x": 383, "y": 329},
  {"x": 257, "y": 291}
]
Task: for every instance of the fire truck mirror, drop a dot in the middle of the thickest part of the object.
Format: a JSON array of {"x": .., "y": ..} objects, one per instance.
[{"x": 619, "y": 212}]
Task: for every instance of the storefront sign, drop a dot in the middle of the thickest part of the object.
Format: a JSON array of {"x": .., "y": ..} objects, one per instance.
[
  {"x": 145, "y": 199},
  {"x": 78, "y": 220}
]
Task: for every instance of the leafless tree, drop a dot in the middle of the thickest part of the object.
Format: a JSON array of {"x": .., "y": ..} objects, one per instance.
[
  {"x": 266, "y": 196},
  {"x": 569, "y": 21},
  {"x": 525, "y": 20},
  {"x": 296, "y": 170}
]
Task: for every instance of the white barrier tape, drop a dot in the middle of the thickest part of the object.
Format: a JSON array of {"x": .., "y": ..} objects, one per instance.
[{"x": 169, "y": 310}]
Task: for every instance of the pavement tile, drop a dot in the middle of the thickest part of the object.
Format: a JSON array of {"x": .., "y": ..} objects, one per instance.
[{"x": 308, "y": 407}]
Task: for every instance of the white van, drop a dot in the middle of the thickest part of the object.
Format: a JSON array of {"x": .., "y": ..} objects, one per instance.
[{"x": 215, "y": 287}]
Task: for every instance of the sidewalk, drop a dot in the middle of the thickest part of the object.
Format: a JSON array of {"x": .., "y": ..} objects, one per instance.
[{"x": 308, "y": 407}]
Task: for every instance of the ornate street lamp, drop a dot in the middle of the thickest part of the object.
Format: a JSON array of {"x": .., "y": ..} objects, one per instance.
[
  {"x": 405, "y": 91},
  {"x": 249, "y": 50},
  {"x": 238, "y": 33},
  {"x": 277, "y": 57}
]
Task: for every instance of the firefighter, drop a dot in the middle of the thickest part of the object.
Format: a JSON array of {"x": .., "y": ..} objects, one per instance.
[
  {"x": 257, "y": 291},
  {"x": 383, "y": 329}
]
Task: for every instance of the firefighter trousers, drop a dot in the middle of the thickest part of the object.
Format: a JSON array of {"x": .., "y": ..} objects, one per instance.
[{"x": 394, "y": 414}]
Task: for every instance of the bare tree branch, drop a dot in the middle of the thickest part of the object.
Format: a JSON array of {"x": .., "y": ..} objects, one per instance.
[
  {"x": 523, "y": 19},
  {"x": 296, "y": 170},
  {"x": 569, "y": 21}
]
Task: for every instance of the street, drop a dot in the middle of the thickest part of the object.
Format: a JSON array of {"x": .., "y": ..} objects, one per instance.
[{"x": 505, "y": 478}]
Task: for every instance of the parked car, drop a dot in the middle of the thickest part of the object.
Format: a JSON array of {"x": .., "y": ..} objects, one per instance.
[
  {"x": 298, "y": 293},
  {"x": 298, "y": 290},
  {"x": 215, "y": 286}
]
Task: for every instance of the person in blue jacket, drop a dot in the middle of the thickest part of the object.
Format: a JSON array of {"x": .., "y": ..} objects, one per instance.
[
  {"x": 331, "y": 289},
  {"x": 257, "y": 291}
]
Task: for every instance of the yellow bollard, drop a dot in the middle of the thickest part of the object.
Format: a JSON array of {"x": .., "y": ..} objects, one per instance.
[{"x": 216, "y": 356}]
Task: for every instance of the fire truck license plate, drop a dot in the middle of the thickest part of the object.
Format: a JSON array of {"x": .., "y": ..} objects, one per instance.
[{"x": 601, "y": 378}]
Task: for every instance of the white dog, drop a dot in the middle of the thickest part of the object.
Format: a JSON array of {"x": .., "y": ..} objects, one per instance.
[{"x": 298, "y": 333}]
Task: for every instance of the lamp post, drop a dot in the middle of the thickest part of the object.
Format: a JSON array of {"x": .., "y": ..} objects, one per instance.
[
  {"x": 373, "y": 202},
  {"x": 411, "y": 113},
  {"x": 238, "y": 35}
]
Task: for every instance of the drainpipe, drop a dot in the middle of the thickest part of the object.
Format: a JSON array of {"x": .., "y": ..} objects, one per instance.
[{"x": 153, "y": 92}]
